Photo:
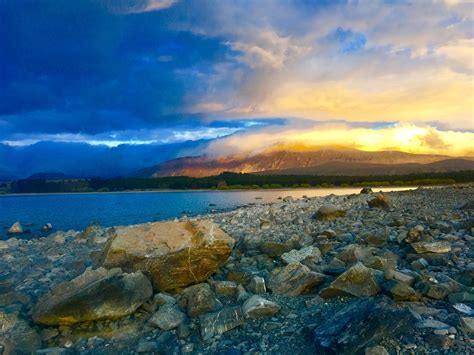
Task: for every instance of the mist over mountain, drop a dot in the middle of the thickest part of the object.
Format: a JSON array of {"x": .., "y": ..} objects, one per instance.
[{"x": 75, "y": 160}]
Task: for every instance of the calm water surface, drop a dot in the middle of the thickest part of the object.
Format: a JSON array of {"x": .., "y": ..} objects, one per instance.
[{"x": 76, "y": 211}]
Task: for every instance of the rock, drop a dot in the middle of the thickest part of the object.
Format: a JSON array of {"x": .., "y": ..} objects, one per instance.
[
  {"x": 240, "y": 277},
  {"x": 52, "y": 351},
  {"x": 376, "y": 350},
  {"x": 163, "y": 298},
  {"x": 419, "y": 264},
  {"x": 432, "y": 324},
  {"x": 310, "y": 254},
  {"x": 377, "y": 239},
  {"x": 439, "y": 341},
  {"x": 379, "y": 201},
  {"x": 147, "y": 347},
  {"x": 467, "y": 324},
  {"x": 329, "y": 213},
  {"x": 362, "y": 322},
  {"x": 414, "y": 234},
  {"x": 47, "y": 227},
  {"x": 93, "y": 295},
  {"x": 175, "y": 254},
  {"x": 358, "y": 281},
  {"x": 168, "y": 317},
  {"x": 199, "y": 299},
  {"x": 469, "y": 205},
  {"x": 225, "y": 288},
  {"x": 16, "y": 228},
  {"x": 366, "y": 190},
  {"x": 401, "y": 291},
  {"x": 259, "y": 307},
  {"x": 257, "y": 285},
  {"x": 220, "y": 322},
  {"x": 431, "y": 247},
  {"x": 16, "y": 336},
  {"x": 274, "y": 249},
  {"x": 460, "y": 297},
  {"x": 294, "y": 279}
]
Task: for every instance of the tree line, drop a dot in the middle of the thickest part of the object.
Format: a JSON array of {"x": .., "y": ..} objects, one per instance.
[{"x": 231, "y": 181}]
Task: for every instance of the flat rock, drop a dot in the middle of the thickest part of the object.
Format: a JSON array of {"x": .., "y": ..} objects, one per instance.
[
  {"x": 274, "y": 249},
  {"x": 259, "y": 307},
  {"x": 294, "y": 279},
  {"x": 216, "y": 323},
  {"x": 431, "y": 247},
  {"x": 93, "y": 295},
  {"x": 167, "y": 317},
  {"x": 329, "y": 212},
  {"x": 175, "y": 254},
  {"x": 467, "y": 324},
  {"x": 358, "y": 281},
  {"x": 361, "y": 323},
  {"x": 311, "y": 253}
]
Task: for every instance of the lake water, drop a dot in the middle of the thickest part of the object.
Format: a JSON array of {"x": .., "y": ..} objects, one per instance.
[{"x": 76, "y": 211}]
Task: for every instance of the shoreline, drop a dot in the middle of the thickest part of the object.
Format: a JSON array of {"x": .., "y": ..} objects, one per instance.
[{"x": 397, "y": 187}]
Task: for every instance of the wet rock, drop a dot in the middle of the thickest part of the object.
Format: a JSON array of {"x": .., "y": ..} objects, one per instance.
[
  {"x": 379, "y": 201},
  {"x": 361, "y": 323},
  {"x": 16, "y": 228},
  {"x": 366, "y": 190},
  {"x": 257, "y": 285},
  {"x": 47, "y": 227},
  {"x": 431, "y": 247},
  {"x": 309, "y": 254},
  {"x": 167, "y": 317},
  {"x": 95, "y": 294},
  {"x": 175, "y": 254},
  {"x": 199, "y": 299},
  {"x": 329, "y": 213},
  {"x": 274, "y": 249},
  {"x": 358, "y": 281},
  {"x": 294, "y": 279},
  {"x": 220, "y": 322},
  {"x": 259, "y": 307}
]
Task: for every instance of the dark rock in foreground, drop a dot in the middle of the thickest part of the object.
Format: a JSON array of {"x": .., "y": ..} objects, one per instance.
[{"x": 362, "y": 323}]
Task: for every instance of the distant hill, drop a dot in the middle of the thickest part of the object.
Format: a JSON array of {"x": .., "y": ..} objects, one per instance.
[{"x": 330, "y": 161}]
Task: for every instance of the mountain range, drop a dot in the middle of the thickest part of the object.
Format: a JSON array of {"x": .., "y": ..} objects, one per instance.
[{"x": 327, "y": 161}]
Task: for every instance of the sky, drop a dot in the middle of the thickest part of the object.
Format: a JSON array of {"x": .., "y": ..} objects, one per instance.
[{"x": 246, "y": 75}]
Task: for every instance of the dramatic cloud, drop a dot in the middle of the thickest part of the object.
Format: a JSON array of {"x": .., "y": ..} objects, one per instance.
[{"x": 141, "y": 71}]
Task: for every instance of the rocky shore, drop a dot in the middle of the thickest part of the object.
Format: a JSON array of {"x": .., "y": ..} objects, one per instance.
[{"x": 361, "y": 274}]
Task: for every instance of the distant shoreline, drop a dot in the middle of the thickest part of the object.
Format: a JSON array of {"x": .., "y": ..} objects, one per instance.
[{"x": 404, "y": 187}]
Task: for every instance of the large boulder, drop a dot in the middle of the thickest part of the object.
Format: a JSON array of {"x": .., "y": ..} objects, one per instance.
[
  {"x": 294, "y": 279},
  {"x": 361, "y": 323},
  {"x": 93, "y": 295},
  {"x": 175, "y": 254},
  {"x": 358, "y": 281}
]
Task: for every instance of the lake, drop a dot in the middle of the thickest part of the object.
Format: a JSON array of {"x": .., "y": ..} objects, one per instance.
[{"x": 77, "y": 211}]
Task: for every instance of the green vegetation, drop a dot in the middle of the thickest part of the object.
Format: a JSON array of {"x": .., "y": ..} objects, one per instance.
[{"x": 231, "y": 181}]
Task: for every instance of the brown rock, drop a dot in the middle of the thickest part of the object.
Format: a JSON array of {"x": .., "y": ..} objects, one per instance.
[
  {"x": 329, "y": 213},
  {"x": 358, "y": 281},
  {"x": 274, "y": 249},
  {"x": 294, "y": 279},
  {"x": 431, "y": 247},
  {"x": 199, "y": 299},
  {"x": 379, "y": 201},
  {"x": 175, "y": 254}
]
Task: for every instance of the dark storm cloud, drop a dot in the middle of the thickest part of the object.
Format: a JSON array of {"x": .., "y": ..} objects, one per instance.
[{"x": 75, "y": 66}]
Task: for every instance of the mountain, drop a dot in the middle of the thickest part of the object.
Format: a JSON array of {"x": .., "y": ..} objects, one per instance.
[
  {"x": 81, "y": 160},
  {"x": 330, "y": 161}
]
